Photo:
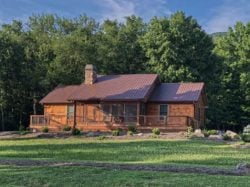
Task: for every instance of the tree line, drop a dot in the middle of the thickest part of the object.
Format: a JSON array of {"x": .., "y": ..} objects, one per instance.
[{"x": 47, "y": 50}]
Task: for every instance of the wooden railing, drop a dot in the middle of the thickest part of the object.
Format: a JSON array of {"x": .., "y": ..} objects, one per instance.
[
  {"x": 143, "y": 120},
  {"x": 40, "y": 120}
]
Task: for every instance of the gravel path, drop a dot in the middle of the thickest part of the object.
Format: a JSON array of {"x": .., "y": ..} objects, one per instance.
[{"x": 134, "y": 167}]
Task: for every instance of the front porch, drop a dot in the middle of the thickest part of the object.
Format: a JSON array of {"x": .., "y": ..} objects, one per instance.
[{"x": 109, "y": 122}]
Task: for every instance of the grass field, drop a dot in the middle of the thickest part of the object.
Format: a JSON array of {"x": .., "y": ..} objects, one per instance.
[{"x": 174, "y": 152}]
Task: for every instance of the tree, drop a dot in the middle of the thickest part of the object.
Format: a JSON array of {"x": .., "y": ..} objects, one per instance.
[
  {"x": 178, "y": 49},
  {"x": 234, "y": 49},
  {"x": 119, "y": 50},
  {"x": 12, "y": 77}
]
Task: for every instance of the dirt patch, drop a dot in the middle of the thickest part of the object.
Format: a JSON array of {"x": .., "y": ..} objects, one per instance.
[{"x": 134, "y": 167}]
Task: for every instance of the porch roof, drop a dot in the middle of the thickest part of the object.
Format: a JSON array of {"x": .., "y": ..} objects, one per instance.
[{"x": 177, "y": 92}]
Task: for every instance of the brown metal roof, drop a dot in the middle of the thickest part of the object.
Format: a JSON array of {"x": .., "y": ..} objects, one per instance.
[
  {"x": 177, "y": 92},
  {"x": 131, "y": 87},
  {"x": 59, "y": 95}
]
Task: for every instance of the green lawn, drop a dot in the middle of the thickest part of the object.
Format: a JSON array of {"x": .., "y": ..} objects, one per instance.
[
  {"x": 84, "y": 176},
  {"x": 155, "y": 151},
  {"x": 189, "y": 152}
]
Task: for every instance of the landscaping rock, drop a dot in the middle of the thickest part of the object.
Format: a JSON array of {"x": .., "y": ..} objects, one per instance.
[
  {"x": 197, "y": 131},
  {"x": 216, "y": 137},
  {"x": 140, "y": 134},
  {"x": 197, "y": 134},
  {"x": 243, "y": 168},
  {"x": 231, "y": 134}
]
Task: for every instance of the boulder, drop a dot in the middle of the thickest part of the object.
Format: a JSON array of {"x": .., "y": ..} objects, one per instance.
[
  {"x": 140, "y": 134},
  {"x": 243, "y": 168},
  {"x": 197, "y": 131},
  {"x": 216, "y": 137},
  {"x": 197, "y": 134},
  {"x": 231, "y": 134}
]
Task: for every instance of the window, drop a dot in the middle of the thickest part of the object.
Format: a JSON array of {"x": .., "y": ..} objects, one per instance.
[
  {"x": 106, "y": 109},
  {"x": 163, "y": 111},
  {"x": 113, "y": 111},
  {"x": 117, "y": 109},
  {"x": 131, "y": 112},
  {"x": 106, "y": 112},
  {"x": 70, "y": 111},
  {"x": 142, "y": 109}
]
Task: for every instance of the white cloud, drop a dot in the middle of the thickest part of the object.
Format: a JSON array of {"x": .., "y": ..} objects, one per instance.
[
  {"x": 119, "y": 9},
  {"x": 227, "y": 15}
]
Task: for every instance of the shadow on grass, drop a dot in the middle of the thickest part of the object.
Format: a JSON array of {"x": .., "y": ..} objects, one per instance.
[{"x": 143, "y": 151}]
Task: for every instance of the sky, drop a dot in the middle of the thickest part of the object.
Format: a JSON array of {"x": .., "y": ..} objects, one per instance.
[{"x": 212, "y": 15}]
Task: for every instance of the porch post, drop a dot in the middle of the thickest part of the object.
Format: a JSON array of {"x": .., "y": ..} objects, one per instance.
[
  {"x": 138, "y": 113},
  {"x": 74, "y": 118}
]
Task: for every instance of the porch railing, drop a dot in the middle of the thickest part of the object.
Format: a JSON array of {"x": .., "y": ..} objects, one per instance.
[
  {"x": 40, "y": 120},
  {"x": 143, "y": 120}
]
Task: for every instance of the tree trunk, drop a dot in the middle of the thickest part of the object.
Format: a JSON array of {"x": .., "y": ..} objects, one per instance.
[
  {"x": 34, "y": 106},
  {"x": 2, "y": 119}
]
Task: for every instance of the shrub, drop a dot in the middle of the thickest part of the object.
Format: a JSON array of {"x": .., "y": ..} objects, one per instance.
[
  {"x": 155, "y": 136},
  {"x": 45, "y": 129},
  {"x": 101, "y": 137},
  {"x": 227, "y": 137},
  {"x": 212, "y": 132},
  {"x": 130, "y": 133},
  {"x": 115, "y": 132},
  {"x": 132, "y": 128},
  {"x": 66, "y": 128},
  {"x": 21, "y": 128},
  {"x": 189, "y": 131},
  {"x": 246, "y": 134},
  {"x": 205, "y": 133},
  {"x": 245, "y": 137},
  {"x": 156, "y": 131},
  {"x": 75, "y": 131}
]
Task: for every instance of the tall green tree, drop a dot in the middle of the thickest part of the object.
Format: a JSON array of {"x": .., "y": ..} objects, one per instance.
[
  {"x": 178, "y": 49},
  {"x": 12, "y": 77},
  {"x": 234, "y": 49},
  {"x": 119, "y": 50}
]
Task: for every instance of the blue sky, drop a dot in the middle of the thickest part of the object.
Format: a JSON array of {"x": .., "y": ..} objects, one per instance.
[{"x": 213, "y": 15}]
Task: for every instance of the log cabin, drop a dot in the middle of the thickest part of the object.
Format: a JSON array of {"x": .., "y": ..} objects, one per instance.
[{"x": 108, "y": 102}]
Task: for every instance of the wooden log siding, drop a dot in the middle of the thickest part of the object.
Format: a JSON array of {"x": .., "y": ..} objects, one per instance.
[{"x": 177, "y": 114}]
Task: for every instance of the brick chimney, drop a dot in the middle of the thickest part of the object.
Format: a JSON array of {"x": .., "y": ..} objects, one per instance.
[{"x": 90, "y": 74}]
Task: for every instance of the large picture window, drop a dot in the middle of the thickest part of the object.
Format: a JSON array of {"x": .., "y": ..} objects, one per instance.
[
  {"x": 120, "y": 112},
  {"x": 130, "y": 112}
]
